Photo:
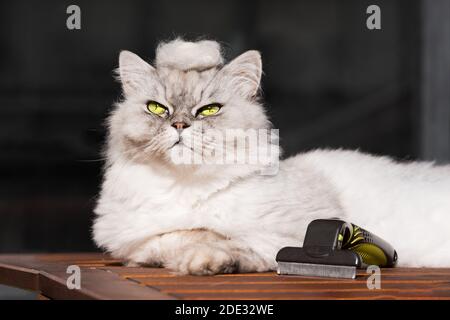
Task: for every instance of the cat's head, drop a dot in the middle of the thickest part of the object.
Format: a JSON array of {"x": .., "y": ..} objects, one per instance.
[{"x": 171, "y": 106}]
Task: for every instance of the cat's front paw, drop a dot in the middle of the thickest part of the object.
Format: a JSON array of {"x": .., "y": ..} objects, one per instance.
[{"x": 202, "y": 259}]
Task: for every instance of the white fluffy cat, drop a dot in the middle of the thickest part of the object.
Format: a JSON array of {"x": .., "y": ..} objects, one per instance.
[{"x": 216, "y": 218}]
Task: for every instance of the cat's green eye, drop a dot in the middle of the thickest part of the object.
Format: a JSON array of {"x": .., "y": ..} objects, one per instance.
[
  {"x": 156, "y": 108},
  {"x": 209, "y": 110}
]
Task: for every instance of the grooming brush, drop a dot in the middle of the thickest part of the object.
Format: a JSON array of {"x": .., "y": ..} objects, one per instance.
[{"x": 335, "y": 248}]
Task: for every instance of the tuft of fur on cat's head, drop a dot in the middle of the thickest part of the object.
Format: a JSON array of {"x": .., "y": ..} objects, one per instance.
[
  {"x": 185, "y": 77},
  {"x": 184, "y": 55}
]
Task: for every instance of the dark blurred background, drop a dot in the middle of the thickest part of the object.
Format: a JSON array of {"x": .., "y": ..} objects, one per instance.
[{"x": 329, "y": 82}]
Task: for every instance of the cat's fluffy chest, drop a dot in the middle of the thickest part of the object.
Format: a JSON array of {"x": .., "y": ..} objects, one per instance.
[{"x": 137, "y": 203}]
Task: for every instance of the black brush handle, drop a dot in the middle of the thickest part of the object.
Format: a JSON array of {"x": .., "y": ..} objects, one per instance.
[
  {"x": 336, "y": 242},
  {"x": 372, "y": 249}
]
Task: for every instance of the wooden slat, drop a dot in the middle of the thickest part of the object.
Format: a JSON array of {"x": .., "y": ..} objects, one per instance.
[
  {"x": 19, "y": 277},
  {"x": 399, "y": 283},
  {"x": 275, "y": 280},
  {"x": 47, "y": 274},
  {"x": 294, "y": 287},
  {"x": 106, "y": 278},
  {"x": 329, "y": 295},
  {"x": 396, "y": 284}
]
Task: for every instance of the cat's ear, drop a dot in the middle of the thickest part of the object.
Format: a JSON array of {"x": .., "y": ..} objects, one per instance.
[
  {"x": 245, "y": 72},
  {"x": 133, "y": 72}
]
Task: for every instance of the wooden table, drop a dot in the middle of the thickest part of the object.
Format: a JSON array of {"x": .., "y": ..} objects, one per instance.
[{"x": 105, "y": 278}]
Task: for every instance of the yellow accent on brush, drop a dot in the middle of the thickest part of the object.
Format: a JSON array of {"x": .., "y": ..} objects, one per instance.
[{"x": 370, "y": 254}]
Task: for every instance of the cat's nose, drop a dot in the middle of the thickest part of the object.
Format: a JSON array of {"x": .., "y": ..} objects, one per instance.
[{"x": 180, "y": 125}]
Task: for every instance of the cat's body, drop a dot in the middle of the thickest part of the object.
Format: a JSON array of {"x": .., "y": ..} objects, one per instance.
[{"x": 204, "y": 219}]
